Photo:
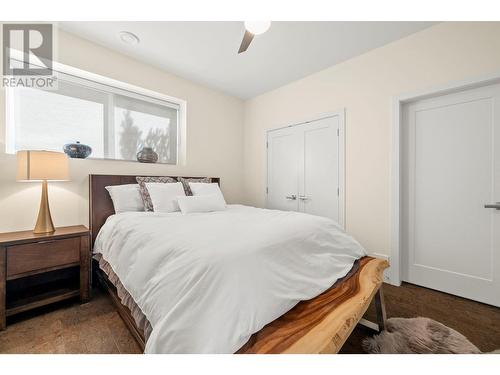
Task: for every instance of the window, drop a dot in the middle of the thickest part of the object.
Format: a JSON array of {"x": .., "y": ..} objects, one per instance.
[{"x": 117, "y": 123}]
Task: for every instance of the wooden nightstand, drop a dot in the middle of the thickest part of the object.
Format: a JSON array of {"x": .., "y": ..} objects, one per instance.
[{"x": 39, "y": 269}]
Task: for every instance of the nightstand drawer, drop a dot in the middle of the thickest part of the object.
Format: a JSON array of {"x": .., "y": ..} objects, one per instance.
[{"x": 22, "y": 259}]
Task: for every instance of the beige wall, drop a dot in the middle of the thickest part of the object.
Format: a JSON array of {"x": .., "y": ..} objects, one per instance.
[
  {"x": 218, "y": 143},
  {"x": 214, "y": 140},
  {"x": 365, "y": 86}
]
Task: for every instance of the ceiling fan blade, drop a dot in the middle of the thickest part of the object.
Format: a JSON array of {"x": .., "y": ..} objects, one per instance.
[{"x": 247, "y": 39}]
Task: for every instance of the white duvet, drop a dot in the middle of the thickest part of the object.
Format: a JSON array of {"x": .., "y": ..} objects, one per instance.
[{"x": 208, "y": 281}]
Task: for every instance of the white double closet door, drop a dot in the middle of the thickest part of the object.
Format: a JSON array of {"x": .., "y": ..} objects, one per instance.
[
  {"x": 303, "y": 168},
  {"x": 451, "y": 193}
]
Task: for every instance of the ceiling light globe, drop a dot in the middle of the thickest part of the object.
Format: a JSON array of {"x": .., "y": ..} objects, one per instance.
[{"x": 257, "y": 27}]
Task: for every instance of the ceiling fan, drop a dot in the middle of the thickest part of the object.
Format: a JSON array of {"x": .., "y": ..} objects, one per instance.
[{"x": 253, "y": 28}]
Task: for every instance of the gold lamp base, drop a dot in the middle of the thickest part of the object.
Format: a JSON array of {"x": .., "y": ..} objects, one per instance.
[{"x": 44, "y": 222}]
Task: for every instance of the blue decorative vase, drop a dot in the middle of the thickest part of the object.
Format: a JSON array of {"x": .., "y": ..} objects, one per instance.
[{"x": 77, "y": 150}]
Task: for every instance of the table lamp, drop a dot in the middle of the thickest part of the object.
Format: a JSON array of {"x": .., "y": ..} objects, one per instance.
[{"x": 42, "y": 166}]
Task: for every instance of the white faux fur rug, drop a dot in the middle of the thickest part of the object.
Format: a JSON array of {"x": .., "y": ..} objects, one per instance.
[{"x": 419, "y": 336}]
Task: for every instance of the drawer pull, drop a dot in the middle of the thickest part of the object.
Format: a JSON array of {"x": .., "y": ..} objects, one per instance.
[{"x": 45, "y": 242}]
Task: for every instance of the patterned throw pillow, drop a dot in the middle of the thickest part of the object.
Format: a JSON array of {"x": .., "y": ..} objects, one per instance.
[
  {"x": 186, "y": 181},
  {"x": 148, "y": 204}
]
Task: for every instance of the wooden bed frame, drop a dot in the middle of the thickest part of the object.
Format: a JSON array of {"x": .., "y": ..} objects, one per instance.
[{"x": 319, "y": 325}]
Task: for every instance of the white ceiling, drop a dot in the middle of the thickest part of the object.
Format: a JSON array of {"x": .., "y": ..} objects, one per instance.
[{"x": 206, "y": 52}]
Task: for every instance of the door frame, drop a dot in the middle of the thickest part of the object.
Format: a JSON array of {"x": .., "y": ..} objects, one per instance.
[
  {"x": 397, "y": 153},
  {"x": 341, "y": 155}
]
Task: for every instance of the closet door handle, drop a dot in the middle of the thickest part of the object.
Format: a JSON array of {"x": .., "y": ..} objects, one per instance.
[
  {"x": 495, "y": 206},
  {"x": 291, "y": 197}
]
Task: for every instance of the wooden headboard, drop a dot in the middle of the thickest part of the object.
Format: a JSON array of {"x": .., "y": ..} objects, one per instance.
[{"x": 100, "y": 203}]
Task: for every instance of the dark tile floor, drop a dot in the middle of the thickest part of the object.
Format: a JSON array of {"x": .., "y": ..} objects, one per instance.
[
  {"x": 480, "y": 323},
  {"x": 69, "y": 327},
  {"x": 96, "y": 327}
]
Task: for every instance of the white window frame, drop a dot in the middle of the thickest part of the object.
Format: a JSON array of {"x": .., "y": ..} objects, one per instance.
[{"x": 76, "y": 75}]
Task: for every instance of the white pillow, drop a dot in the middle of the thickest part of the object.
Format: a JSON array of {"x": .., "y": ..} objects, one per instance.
[
  {"x": 126, "y": 198},
  {"x": 201, "y": 203},
  {"x": 164, "y": 196},
  {"x": 200, "y": 188}
]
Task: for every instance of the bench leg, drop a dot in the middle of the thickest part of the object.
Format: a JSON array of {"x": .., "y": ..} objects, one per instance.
[
  {"x": 380, "y": 309},
  {"x": 379, "y": 326}
]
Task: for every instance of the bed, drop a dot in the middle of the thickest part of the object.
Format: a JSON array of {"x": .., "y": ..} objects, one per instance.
[{"x": 308, "y": 314}]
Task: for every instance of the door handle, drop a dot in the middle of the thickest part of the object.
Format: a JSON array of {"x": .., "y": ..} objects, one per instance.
[
  {"x": 496, "y": 206},
  {"x": 291, "y": 197},
  {"x": 303, "y": 198}
]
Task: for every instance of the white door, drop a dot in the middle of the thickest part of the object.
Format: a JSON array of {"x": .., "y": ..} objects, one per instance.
[
  {"x": 318, "y": 190},
  {"x": 451, "y": 171},
  {"x": 303, "y": 168},
  {"x": 284, "y": 158}
]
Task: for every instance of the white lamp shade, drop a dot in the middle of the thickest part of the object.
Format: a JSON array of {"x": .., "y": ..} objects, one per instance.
[{"x": 42, "y": 165}]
